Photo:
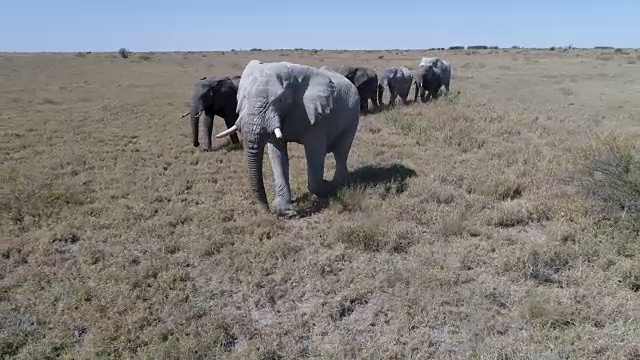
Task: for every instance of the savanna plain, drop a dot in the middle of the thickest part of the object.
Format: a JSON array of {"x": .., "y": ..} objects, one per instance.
[{"x": 498, "y": 222}]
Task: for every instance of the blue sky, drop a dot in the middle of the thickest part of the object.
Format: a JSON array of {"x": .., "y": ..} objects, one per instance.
[{"x": 161, "y": 25}]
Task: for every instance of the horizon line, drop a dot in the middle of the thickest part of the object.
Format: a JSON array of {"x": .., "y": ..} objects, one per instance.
[{"x": 255, "y": 49}]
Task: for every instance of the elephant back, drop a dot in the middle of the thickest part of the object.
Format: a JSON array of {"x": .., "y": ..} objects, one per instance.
[
  {"x": 356, "y": 74},
  {"x": 426, "y": 61},
  {"x": 406, "y": 73}
]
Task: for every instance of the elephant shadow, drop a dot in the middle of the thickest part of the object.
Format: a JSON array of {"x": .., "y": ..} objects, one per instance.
[{"x": 377, "y": 180}]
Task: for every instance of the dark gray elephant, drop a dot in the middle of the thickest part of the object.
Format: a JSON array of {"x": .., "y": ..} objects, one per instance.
[
  {"x": 431, "y": 75},
  {"x": 282, "y": 102},
  {"x": 366, "y": 81},
  {"x": 398, "y": 79},
  {"x": 215, "y": 96}
]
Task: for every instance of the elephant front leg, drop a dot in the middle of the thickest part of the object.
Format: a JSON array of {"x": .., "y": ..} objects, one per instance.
[
  {"x": 435, "y": 93},
  {"x": 364, "y": 104},
  {"x": 403, "y": 93},
  {"x": 230, "y": 121},
  {"x": 423, "y": 94},
  {"x": 374, "y": 101},
  {"x": 279, "y": 157},
  {"x": 208, "y": 131}
]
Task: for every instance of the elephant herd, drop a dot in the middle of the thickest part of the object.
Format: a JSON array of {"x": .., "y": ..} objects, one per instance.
[{"x": 273, "y": 103}]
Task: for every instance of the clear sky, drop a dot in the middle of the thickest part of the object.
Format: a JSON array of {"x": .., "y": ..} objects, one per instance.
[{"x": 162, "y": 25}]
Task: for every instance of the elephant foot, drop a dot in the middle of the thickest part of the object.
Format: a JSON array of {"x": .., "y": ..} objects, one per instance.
[
  {"x": 234, "y": 146},
  {"x": 326, "y": 190},
  {"x": 284, "y": 208},
  {"x": 337, "y": 184},
  {"x": 206, "y": 149}
]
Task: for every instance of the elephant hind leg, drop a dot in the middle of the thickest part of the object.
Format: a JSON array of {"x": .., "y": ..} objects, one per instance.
[
  {"x": 340, "y": 149},
  {"x": 316, "y": 151}
]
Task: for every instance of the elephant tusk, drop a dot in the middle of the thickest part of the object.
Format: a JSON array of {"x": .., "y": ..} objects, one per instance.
[
  {"x": 227, "y": 132},
  {"x": 278, "y": 133},
  {"x": 185, "y": 114}
]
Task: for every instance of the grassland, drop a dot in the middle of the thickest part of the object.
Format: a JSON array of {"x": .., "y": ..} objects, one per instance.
[{"x": 479, "y": 227}]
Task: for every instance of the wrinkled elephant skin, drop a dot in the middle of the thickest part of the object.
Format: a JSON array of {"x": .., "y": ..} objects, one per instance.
[
  {"x": 431, "y": 75},
  {"x": 366, "y": 81},
  {"x": 399, "y": 80},
  {"x": 282, "y": 102},
  {"x": 213, "y": 97}
]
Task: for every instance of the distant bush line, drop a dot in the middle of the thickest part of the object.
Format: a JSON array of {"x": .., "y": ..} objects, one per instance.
[{"x": 126, "y": 53}]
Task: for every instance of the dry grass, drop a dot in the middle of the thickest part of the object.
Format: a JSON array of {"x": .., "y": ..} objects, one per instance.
[{"x": 478, "y": 226}]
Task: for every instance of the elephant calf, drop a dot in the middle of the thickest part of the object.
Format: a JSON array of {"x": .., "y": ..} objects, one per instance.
[
  {"x": 215, "y": 96},
  {"x": 399, "y": 80},
  {"x": 366, "y": 81},
  {"x": 431, "y": 75}
]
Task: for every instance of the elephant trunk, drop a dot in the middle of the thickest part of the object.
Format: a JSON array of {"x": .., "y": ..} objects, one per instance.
[
  {"x": 255, "y": 154},
  {"x": 380, "y": 93},
  {"x": 195, "y": 125}
]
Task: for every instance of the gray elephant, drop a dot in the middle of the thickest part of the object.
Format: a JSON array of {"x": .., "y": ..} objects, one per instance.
[
  {"x": 431, "y": 75},
  {"x": 398, "y": 79},
  {"x": 215, "y": 96},
  {"x": 366, "y": 81},
  {"x": 281, "y": 102}
]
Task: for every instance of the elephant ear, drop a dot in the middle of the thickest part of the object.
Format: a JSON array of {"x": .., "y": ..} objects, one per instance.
[
  {"x": 202, "y": 94},
  {"x": 235, "y": 80},
  {"x": 392, "y": 73},
  {"x": 361, "y": 75},
  {"x": 319, "y": 97}
]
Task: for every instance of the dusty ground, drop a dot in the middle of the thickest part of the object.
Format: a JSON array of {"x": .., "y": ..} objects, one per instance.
[{"x": 469, "y": 235}]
